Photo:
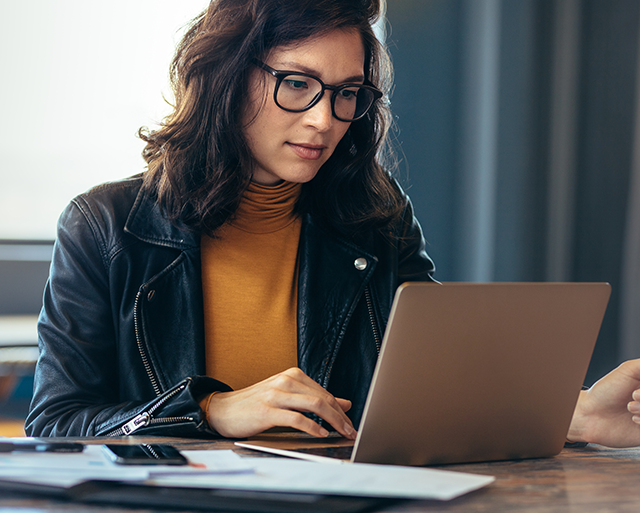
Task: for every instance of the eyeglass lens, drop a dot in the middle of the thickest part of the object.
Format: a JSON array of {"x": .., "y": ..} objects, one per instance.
[{"x": 297, "y": 92}]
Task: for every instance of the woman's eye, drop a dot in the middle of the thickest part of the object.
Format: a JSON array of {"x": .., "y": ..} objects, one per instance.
[
  {"x": 296, "y": 83},
  {"x": 349, "y": 94}
]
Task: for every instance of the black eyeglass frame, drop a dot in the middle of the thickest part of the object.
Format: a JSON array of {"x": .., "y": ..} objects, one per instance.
[{"x": 280, "y": 75}]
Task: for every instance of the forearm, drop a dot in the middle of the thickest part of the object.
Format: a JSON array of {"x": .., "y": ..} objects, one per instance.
[{"x": 174, "y": 413}]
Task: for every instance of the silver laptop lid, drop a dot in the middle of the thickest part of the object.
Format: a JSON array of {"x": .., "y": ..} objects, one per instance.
[{"x": 479, "y": 372}]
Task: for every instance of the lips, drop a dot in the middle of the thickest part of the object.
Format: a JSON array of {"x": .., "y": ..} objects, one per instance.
[{"x": 307, "y": 151}]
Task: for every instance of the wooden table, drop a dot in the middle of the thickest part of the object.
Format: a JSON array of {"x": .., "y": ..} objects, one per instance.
[{"x": 577, "y": 480}]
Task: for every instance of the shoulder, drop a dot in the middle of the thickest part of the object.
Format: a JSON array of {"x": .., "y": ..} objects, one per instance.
[
  {"x": 413, "y": 261},
  {"x": 110, "y": 199},
  {"x": 406, "y": 217},
  {"x": 100, "y": 215}
]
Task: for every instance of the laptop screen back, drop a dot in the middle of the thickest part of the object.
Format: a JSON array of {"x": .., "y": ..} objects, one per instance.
[{"x": 479, "y": 372}]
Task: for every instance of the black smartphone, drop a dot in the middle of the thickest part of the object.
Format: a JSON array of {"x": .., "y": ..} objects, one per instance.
[{"x": 143, "y": 454}]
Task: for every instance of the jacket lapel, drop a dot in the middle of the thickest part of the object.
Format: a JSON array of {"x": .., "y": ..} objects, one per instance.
[{"x": 333, "y": 274}]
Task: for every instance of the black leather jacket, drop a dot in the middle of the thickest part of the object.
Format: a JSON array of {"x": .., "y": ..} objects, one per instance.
[{"x": 121, "y": 332}]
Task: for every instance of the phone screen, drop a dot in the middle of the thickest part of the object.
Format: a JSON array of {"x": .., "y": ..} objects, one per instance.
[{"x": 144, "y": 454}]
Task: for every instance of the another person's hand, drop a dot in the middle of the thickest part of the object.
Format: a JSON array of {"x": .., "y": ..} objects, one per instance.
[
  {"x": 280, "y": 401},
  {"x": 609, "y": 412}
]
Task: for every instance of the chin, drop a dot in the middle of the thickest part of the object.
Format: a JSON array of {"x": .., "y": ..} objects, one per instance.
[{"x": 300, "y": 177}]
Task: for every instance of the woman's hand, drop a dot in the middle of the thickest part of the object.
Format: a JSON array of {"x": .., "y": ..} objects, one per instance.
[
  {"x": 609, "y": 412},
  {"x": 278, "y": 401}
]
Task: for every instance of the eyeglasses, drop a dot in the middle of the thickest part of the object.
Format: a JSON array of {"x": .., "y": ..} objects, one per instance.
[{"x": 297, "y": 92}]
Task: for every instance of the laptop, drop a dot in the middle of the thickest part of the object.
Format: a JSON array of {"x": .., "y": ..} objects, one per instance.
[{"x": 472, "y": 372}]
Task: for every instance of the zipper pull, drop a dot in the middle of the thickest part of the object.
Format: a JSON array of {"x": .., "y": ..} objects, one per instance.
[{"x": 136, "y": 423}]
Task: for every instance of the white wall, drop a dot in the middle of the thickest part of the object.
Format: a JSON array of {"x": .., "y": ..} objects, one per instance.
[{"x": 77, "y": 80}]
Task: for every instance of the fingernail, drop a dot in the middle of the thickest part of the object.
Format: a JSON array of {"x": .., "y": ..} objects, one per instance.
[
  {"x": 636, "y": 419},
  {"x": 636, "y": 395},
  {"x": 324, "y": 432},
  {"x": 633, "y": 407},
  {"x": 349, "y": 430}
]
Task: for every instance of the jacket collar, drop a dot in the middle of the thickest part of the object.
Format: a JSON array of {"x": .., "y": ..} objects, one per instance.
[{"x": 147, "y": 222}]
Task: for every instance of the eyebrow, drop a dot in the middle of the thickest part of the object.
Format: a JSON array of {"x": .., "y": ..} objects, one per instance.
[{"x": 294, "y": 66}]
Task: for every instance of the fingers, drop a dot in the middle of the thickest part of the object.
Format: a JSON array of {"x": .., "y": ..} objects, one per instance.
[
  {"x": 294, "y": 390},
  {"x": 300, "y": 422},
  {"x": 345, "y": 404},
  {"x": 326, "y": 408},
  {"x": 634, "y": 406}
]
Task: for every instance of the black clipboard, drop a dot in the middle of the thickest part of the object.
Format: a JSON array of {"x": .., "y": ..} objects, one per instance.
[{"x": 116, "y": 493}]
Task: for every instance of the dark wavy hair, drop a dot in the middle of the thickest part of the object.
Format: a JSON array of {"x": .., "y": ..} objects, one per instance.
[{"x": 199, "y": 162}]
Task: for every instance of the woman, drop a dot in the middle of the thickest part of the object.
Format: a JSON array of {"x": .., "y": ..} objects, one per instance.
[
  {"x": 262, "y": 246},
  {"x": 244, "y": 280}
]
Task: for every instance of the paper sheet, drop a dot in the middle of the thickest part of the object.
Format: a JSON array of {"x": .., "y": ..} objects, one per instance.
[
  {"x": 356, "y": 479},
  {"x": 225, "y": 469}
]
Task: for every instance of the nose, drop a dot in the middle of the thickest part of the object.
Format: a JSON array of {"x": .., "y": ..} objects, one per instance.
[{"x": 320, "y": 115}]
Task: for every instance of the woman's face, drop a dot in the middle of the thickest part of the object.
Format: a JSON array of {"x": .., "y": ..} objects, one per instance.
[{"x": 292, "y": 146}]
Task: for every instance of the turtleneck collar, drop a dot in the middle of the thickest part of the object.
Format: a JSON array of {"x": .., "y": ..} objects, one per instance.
[{"x": 265, "y": 208}]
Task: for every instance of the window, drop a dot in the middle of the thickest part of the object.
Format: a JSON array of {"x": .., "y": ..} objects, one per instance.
[{"x": 79, "y": 78}]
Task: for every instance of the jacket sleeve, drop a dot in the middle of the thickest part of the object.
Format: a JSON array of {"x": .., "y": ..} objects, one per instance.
[{"x": 77, "y": 386}]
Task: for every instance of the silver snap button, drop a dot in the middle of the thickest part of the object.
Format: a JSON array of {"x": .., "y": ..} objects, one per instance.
[
  {"x": 360, "y": 264},
  {"x": 151, "y": 295}
]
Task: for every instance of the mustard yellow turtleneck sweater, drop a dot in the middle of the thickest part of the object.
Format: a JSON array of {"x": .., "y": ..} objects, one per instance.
[{"x": 249, "y": 282}]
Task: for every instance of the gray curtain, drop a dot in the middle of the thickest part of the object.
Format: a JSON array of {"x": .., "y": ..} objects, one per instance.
[
  {"x": 516, "y": 123},
  {"x": 630, "y": 304}
]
